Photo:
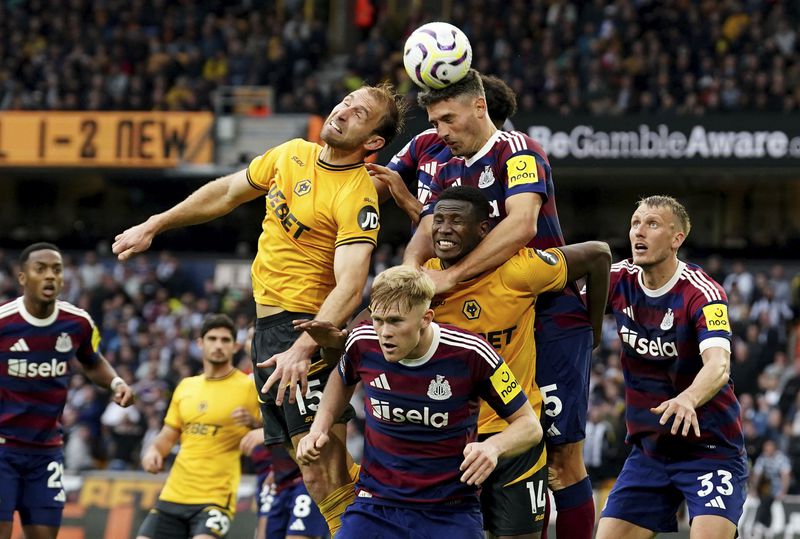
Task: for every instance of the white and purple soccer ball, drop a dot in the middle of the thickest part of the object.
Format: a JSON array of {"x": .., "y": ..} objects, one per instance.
[{"x": 436, "y": 55}]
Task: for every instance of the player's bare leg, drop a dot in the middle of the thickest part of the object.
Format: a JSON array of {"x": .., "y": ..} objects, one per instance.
[
  {"x": 39, "y": 531},
  {"x": 712, "y": 527},
  {"x": 565, "y": 463},
  {"x": 331, "y": 470},
  {"x": 614, "y": 528},
  {"x": 328, "y": 479}
]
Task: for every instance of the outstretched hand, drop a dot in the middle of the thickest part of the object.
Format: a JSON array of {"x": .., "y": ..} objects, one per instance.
[
  {"x": 685, "y": 415},
  {"x": 324, "y": 333},
  {"x": 136, "y": 239},
  {"x": 291, "y": 368}
]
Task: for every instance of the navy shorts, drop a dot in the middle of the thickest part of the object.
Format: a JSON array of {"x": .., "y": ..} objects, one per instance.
[
  {"x": 366, "y": 520},
  {"x": 293, "y": 512},
  {"x": 31, "y": 484},
  {"x": 649, "y": 491},
  {"x": 562, "y": 374}
]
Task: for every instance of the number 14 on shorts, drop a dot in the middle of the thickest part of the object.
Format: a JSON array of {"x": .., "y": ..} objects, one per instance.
[{"x": 537, "y": 491}]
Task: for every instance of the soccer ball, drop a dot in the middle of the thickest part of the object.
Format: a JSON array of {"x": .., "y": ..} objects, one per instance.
[{"x": 436, "y": 55}]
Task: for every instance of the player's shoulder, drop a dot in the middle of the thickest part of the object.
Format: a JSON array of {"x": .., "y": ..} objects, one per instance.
[
  {"x": 68, "y": 310},
  {"x": 467, "y": 344},
  {"x": 511, "y": 142},
  {"x": 10, "y": 309},
  {"x": 699, "y": 285},
  {"x": 625, "y": 270},
  {"x": 363, "y": 333},
  {"x": 240, "y": 378},
  {"x": 426, "y": 141}
]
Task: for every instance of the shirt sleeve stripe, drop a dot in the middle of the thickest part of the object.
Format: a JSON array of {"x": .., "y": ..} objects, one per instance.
[
  {"x": 366, "y": 333},
  {"x": 70, "y": 308},
  {"x": 703, "y": 278},
  {"x": 359, "y": 239},
  {"x": 465, "y": 340},
  {"x": 251, "y": 182},
  {"x": 709, "y": 292}
]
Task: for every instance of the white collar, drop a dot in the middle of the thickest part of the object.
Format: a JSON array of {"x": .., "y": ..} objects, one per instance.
[
  {"x": 666, "y": 287},
  {"x": 32, "y": 320},
  {"x": 484, "y": 150},
  {"x": 408, "y": 362}
]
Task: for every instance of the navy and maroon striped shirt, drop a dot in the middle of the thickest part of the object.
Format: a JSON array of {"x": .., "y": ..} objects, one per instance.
[
  {"x": 418, "y": 161},
  {"x": 663, "y": 334},
  {"x": 511, "y": 163},
  {"x": 34, "y": 368},
  {"x": 421, "y": 413}
]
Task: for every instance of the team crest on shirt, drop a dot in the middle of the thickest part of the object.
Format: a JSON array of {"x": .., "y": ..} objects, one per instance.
[
  {"x": 63, "y": 343},
  {"x": 202, "y": 406},
  {"x": 669, "y": 318},
  {"x": 439, "y": 389},
  {"x": 303, "y": 187},
  {"x": 487, "y": 177},
  {"x": 471, "y": 309}
]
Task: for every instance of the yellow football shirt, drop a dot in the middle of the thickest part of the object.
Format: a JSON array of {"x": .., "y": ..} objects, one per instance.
[
  {"x": 312, "y": 208},
  {"x": 499, "y": 305},
  {"x": 207, "y": 469}
]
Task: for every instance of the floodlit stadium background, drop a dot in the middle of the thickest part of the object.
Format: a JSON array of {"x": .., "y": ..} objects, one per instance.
[{"x": 113, "y": 110}]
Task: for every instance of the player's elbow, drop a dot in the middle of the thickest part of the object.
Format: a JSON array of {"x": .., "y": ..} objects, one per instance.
[
  {"x": 723, "y": 371},
  {"x": 602, "y": 252},
  {"x": 526, "y": 231}
]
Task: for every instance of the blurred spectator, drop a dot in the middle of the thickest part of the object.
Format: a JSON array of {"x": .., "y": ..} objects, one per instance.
[{"x": 564, "y": 57}]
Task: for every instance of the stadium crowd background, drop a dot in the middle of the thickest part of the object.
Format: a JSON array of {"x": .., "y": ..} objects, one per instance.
[
  {"x": 593, "y": 57},
  {"x": 149, "y": 320}
]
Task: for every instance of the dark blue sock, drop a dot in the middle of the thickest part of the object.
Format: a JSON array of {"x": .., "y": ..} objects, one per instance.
[{"x": 573, "y": 495}]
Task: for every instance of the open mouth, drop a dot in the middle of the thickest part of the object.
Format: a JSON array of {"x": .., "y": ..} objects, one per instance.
[
  {"x": 388, "y": 347},
  {"x": 639, "y": 248},
  {"x": 335, "y": 126}
]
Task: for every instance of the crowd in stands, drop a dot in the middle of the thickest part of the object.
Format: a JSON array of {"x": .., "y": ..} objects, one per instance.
[
  {"x": 149, "y": 321},
  {"x": 595, "y": 57}
]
